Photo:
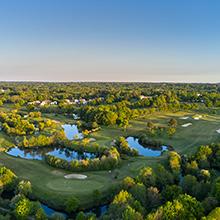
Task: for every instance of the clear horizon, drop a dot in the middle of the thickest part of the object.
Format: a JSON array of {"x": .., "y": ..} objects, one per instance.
[{"x": 110, "y": 41}]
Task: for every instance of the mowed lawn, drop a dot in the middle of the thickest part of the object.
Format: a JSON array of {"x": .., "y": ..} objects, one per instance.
[
  {"x": 186, "y": 139},
  {"x": 50, "y": 186}
]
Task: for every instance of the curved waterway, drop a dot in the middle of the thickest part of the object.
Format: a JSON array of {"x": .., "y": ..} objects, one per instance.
[
  {"x": 145, "y": 151},
  {"x": 100, "y": 210},
  {"x": 72, "y": 132},
  {"x": 39, "y": 153}
]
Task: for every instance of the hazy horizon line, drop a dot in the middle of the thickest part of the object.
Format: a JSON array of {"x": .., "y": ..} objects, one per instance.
[{"x": 110, "y": 81}]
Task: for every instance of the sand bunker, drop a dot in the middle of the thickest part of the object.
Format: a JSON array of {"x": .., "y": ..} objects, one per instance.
[
  {"x": 92, "y": 139},
  {"x": 218, "y": 131},
  {"x": 197, "y": 117},
  {"x": 184, "y": 118},
  {"x": 75, "y": 176},
  {"x": 186, "y": 125}
]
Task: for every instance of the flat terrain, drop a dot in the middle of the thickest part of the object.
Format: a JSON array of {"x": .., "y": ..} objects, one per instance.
[
  {"x": 185, "y": 140},
  {"x": 50, "y": 186}
]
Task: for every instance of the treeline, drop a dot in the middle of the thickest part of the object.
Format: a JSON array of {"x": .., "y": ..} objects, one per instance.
[
  {"x": 123, "y": 147},
  {"x": 109, "y": 160},
  {"x": 141, "y": 95},
  {"x": 182, "y": 188},
  {"x": 19, "y": 206},
  {"x": 16, "y": 124}
]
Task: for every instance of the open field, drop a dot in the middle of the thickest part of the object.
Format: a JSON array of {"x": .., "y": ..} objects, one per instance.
[
  {"x": 185, "y": 140},
  {"x": 50, "y": 186}
]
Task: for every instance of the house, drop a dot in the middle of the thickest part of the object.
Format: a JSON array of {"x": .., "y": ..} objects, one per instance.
[
  {"x": 83, "y": 101},
  {"x": 145, "y": 97},
  {"x": 67, "y": 101},
  {"x": 45, "y": 102},
  {"x": 54, "y": 103},
  {"x": 76, "y": 101},
  {"x": 34, "y": 103}
]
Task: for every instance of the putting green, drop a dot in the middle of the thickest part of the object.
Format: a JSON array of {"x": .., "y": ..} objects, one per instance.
[
  {"x": 50, "y": 186},
  {"x": 83, "y": 186}
]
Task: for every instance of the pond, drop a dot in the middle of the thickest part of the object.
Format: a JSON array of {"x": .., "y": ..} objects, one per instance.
[
  {"x": 49, "y": 211},
  {"x": 145, "y": 151},
  {"x": 72, "y": 132},
  {"x": 100, "y": 210},
  {"x": 39, "y": 153}
]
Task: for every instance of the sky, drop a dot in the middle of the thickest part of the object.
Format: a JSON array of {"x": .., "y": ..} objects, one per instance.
[{"x": 110, "y": 40}]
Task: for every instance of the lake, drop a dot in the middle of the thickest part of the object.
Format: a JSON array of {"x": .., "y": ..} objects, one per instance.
[
  {"x": 100, "y": 210},
  {"x": 72, "y": 132},
  {"x": 39, "y": 153},
  {"x": 145, "y": 151}
]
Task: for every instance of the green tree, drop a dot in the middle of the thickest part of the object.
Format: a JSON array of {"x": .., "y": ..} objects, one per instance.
[
  {"x": 24, "y": 187},
  {"x": 72, "y": 204},
  {"x": 23, "y": 208}
]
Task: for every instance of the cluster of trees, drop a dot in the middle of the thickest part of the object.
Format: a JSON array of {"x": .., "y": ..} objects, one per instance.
[
  {"x": 85, "y": 145},
  {"x": 141, "y": 95},
  {"x": 109, "y": 160},
  {"x": 182, "y": 188},
  {"x": 113, "y": 114},
  {"x": 14, "y": 123},
  {"x": 43, "y": 140},
  {"x": 123, "y": 147},
  {"x": 108, "y": 104},
  {"x": 146, "y": 141},
  {"x": 7, "y": 179},
  {"x": 153, "y": 129},
  {"x": 19, "y": 206}
]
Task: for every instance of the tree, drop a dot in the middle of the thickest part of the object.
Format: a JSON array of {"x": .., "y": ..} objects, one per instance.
[
  {"x": 40, "y": 215},
  {"x": 128, "y": 183},
  {"x": 172, "y": 123},
  {"x": 184, "y": 207},
  {"x": 171, "y": 131},
  {"x": 72, "y": 204},
  {"x": 147, "y": 176},
  {"x": 139, "y": 192},
  {"x": 209, "y": 203},
  {"x": 24, "y": 187},
  {"x": 153, "y": 198},
  {"x": 171, "y": 192},
  {"x": 174, "y": 161},
  {"x": 216, "y": 189},
  {"x": 23, "y": 208},
  {"x": 189, "y": 184},
  {"x": 131, "y": 214},
  {"x": 214, "y": 214}
]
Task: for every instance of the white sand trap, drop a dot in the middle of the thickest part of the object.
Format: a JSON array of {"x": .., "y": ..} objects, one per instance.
[
  {"x": 92, "y": 139},
  {"x": 184, "y": 118},
  {"x": 75, "y": 176},
  {"x": 218, "y": 131},
  {"x": 186, "y": 125},
  {"x": 197, "y": 117}
]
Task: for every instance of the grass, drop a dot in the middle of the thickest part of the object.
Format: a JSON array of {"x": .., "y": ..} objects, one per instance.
[
  {"x": 185, "y": 140},
  {"x": 50, "y": 186},
  {"x": 5, "y": 141}
]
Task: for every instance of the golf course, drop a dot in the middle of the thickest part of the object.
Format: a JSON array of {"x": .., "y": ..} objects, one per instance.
[{"x": 50, "y": 186}]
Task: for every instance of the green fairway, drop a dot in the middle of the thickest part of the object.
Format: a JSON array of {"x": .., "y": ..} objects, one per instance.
[
  {"x": 50, "y": 186},
  {"x": 185, "y": 140}
]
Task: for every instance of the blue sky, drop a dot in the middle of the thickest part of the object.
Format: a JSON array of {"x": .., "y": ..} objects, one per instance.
[{"x": 110, "y": 40}]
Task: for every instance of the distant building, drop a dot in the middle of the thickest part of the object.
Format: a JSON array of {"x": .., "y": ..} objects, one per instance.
[
  {"x": 34, "y": 103},
  {"x": 54, "y": 103},
  {"x": 45, "y": 102}
]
